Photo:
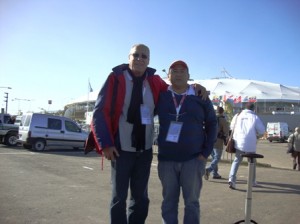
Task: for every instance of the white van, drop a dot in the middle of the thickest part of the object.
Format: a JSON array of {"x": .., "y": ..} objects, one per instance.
[
  {"x": 40, "y": 130},
  {"x": 277, "y": 131},
  {"x": 19, "y": 120}
]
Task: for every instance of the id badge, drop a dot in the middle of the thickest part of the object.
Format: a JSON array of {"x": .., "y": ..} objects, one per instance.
[
  {"x": 145, "y": 115},
  {"x": 174, "y": 131}
]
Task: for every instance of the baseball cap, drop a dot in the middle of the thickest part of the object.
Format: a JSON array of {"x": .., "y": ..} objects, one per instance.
[{"x": 179, "y": 62}]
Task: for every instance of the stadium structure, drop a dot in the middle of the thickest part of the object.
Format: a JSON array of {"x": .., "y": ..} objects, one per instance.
[{"x": 273, "y": 102}]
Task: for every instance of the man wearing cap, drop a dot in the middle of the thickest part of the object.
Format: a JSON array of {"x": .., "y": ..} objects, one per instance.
[
  {"x": 248, "y": 127},
  {"x": 122, "y": 131},
  {"x": 187, "y": 133}
]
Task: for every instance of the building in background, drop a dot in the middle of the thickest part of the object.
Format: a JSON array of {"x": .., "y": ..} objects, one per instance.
[{"x": 274, "y": 102}]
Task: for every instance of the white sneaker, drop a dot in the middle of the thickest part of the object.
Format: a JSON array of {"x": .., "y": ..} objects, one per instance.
[{"x": 231, "y": 185}]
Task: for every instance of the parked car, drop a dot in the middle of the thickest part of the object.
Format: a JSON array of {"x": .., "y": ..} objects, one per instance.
[
  {"x": 40, "y": 130},
  {"x": 8, "y": 131},
  {"x": 277, "y": 131}
]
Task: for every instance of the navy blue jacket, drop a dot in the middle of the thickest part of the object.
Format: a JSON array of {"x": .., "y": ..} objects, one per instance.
[{"x": 198, "y": 133}]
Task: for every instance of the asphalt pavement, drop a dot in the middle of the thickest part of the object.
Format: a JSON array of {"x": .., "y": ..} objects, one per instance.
[
  {"x": 275, "y": 200},
  {"x": 69, "y": 187}
]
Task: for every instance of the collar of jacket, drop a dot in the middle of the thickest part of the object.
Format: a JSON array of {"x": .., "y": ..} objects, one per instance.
[{"x": 120, "y": 68}]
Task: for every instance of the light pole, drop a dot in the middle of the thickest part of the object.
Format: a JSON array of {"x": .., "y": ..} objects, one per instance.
[
  {"x": 6, "y": 96},
  {"x": 164, "y": 70}
]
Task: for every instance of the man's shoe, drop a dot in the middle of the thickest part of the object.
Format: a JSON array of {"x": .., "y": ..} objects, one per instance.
[
  {"x": 217, "y": 177},
  {"x": 231, "y": 185},
  {"x": 206, "y": 175},
  {"x": 255, "y": 184}
]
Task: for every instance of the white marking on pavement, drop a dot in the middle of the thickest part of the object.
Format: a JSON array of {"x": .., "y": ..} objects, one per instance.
[
  {"x": 17, "y": 153},
  {"x": 89, "y": 168}
]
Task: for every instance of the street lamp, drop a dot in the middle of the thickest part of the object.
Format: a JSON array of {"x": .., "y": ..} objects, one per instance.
[
  {"x": 5, "y": 87},
  {"x": 164, "y": 70}
]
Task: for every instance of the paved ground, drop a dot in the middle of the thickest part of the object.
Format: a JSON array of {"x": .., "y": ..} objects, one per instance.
[
  {"x": 275, "y": 201},
  {"x": 67, "y": 187}
]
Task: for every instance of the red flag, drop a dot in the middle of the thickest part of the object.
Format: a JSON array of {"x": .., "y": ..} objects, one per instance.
[
  {"x": 252, "y": 99},
  {"x": 227, "y": 97},
  {"x": 215, "y": 99},
  {"x": 237, "y": 99}
]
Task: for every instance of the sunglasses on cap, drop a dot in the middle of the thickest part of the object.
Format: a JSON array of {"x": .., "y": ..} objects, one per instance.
[{"x": 137, "y": 55}]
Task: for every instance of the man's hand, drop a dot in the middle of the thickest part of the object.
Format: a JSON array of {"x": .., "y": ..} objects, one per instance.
[
  {"x": 110, "y": 153},
  {"x": 200, "y": 157},
  {"x": 201, "y": 91}
]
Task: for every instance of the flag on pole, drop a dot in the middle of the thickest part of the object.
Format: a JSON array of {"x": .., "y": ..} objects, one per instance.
[
  {"x": 237, "y": 99},
  {"x": 90, "y": 87},
  {"x": 227, "y": 97}
]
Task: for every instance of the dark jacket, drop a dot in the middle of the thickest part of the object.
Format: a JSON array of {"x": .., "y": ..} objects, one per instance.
[
  {"x": 223, "y": 129},
  {"x": 198, "y": 132},
  {"x": 109, "y": 105}
]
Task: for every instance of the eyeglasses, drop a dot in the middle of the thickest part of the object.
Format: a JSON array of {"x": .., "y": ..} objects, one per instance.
[{"x": 137, "y": 55}]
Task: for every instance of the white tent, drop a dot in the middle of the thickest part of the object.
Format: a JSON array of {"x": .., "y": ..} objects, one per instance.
[{"x": 263, "y": 91}]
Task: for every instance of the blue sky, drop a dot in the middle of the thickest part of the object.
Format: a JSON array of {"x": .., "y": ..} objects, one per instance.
[{"x": 49, "y": 49}]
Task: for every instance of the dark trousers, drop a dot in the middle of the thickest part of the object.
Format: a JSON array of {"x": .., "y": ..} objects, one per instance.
[
  {"x": 296, "y": 160},
  {"x": 130, "y": 170}
]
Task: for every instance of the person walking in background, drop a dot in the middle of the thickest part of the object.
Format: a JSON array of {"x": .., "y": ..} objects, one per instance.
[
  {"x": 187, "y": 132},
  {"x": 295, "y": 140},
  {"x": 216, "y": 154},
  {"x": 122, "y": 130},
  {"x": 248, "y": 127}
]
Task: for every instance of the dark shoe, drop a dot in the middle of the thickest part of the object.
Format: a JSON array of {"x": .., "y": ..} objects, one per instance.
[
  {"x": 294, "y": 166},
  {"x": 217, "y": 177},
  {"x": 206, "y": 175},
  {"x": 231, "y": 185}
]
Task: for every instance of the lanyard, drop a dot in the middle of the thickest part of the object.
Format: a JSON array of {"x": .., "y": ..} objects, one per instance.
[{"x": 177, "y": 107}]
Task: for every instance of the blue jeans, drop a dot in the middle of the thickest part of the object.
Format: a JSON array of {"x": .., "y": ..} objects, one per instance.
[
  {"x": 235, "y": 166},
  {"x": 188, "y": 176},
  {"x": 130, "y": 170},
  {"x": 216, "y": 155}
]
